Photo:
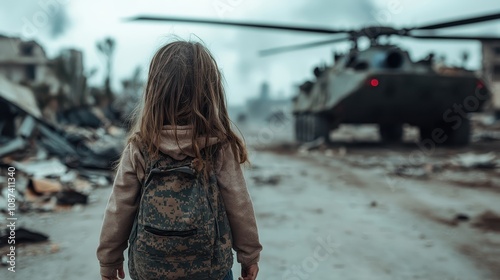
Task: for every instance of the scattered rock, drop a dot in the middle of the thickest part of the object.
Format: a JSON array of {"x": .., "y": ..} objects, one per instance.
[
  {"x": 23, "y": 235},
  {"x": 270, "y": 180},
  {"x": 54, "y": 248},
  {"x": 488, "y": 221},
  {"x": 316, "y": 144},
  {"x": 462, "y": 218},
  {"x": 342, "y": 151},
  {"x": 317, "y": 211},
  {"x": 471, "y": 160},
  {"x": 44, "y": 186},
  {"x": 71, "y": 197},
  {"x": 410, "y": 171}
]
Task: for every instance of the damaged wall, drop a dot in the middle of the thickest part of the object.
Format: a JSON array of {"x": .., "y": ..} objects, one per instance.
[
  {"x": 22, "y": 61},
  {"x": 20, "y": 96}
]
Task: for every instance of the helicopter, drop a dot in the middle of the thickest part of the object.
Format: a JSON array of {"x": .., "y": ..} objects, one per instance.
[{"x": 381, "y": 84}]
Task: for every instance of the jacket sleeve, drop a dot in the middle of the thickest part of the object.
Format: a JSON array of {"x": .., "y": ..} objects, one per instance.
[
  {"x": 239, "y": 208},
  {"x": 120, "y": 210}
]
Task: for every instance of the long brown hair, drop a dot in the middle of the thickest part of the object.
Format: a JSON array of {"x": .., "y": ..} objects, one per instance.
[{"x": 185, "y": 87}]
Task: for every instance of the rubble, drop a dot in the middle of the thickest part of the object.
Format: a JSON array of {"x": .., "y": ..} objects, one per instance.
[
  {"x": 18, "y": 96},
  {"x": 13, "y": 146},
  {"x": 462, "y": 218},
  {"x": 44, "y": 187},
  {"x": 488, "y": 221},
  {"x": 267, "y": 180},
  {"x": 41, "y": 168},
  {"x": 56, "y": 165},
  {"x": 316, "y": 144},
  {"x": 23, "y": 235},
  {"x": 421, "y": 171},
  {"x": 71, "y": 197},
  {"x": 472, "y": 160}
]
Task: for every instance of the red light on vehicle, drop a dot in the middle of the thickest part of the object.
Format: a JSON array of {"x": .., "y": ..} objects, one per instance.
[
  {"x": 374, "y": 82},
  {"x": 480, "y": 85}
]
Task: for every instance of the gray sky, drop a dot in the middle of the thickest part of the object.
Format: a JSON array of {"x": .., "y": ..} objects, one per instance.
[{"x": 80, "y": 23}]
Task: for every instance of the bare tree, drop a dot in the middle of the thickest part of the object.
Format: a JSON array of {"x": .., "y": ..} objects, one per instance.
[{"x": 107, "y": 48}]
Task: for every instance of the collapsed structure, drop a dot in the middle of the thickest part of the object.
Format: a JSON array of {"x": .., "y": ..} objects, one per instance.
[
  {"x": 491, "y": 71},
  {"x": 61, "y": 136}
]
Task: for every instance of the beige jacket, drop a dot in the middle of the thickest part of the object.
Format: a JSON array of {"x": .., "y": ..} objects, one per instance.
[{"x": 122, "y": 206}]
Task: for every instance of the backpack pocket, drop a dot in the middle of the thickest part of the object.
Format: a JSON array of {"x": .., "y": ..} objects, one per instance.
[
  {"x": 173, "y": 246},
  {"x": 180, "y": 233}
]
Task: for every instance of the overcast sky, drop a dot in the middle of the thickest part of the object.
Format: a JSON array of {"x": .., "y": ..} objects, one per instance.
[{"x": 80, "y": 23}]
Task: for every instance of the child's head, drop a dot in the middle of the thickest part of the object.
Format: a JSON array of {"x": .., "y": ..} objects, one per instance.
[{"x": 185, "y": 87}]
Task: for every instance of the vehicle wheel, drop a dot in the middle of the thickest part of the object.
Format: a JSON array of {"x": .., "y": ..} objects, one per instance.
[
  {"x": 392, "y": 133},
  {"x": 425, "y": 133},
  {"x": 310, "y": 127},
  {"x": 321, "y": 128},
  {"x": 299, "y": 128},
  {"x": 497, "y": 115},
  {"x": 459, "y": 136}
]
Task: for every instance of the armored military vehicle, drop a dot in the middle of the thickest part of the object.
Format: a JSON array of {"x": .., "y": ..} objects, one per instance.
[{"x": 381, "y": 84}]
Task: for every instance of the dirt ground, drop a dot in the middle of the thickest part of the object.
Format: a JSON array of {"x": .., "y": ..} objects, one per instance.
[{"x": 350, "y": 210}]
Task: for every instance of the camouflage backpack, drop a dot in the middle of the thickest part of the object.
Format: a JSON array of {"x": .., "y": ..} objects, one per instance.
[{"x": 181, "y": 230}]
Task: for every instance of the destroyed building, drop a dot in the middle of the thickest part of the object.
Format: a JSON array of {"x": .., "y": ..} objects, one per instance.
[
  {"x": 265, "y": 106},
  {"x": 491, "y": 71},
  {"x": 61, "y": 78},
  {"x": 22, "y": 61},
  {"x": 52, "y": 130}
]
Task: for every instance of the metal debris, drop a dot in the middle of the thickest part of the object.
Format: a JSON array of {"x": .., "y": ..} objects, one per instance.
[
  {"x": 271, "y": 180},
  {"x": 472, "y": 160}
]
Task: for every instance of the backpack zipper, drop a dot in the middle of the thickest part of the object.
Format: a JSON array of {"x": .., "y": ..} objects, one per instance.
[
  {"x": 182, "y": 169},
  {"x": 215, "y": 216},
  {"x": 183, "y": 233}
]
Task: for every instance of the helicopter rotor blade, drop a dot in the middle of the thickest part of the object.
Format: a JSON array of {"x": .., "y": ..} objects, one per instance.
[
  {"x": 460, "y": 22},
  {"x": 455, "y": 37},
  {"x": 241, "y": 24},
  {"x": 277, "y": 50}
]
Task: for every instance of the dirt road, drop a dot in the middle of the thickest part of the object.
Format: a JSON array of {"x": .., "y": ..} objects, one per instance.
[
  {"x": 330, "y": 214},
  {"x": 333, "y": 221}
]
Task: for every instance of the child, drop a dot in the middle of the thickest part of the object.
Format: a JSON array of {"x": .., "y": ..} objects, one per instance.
[{"x": 183, "y": 118}]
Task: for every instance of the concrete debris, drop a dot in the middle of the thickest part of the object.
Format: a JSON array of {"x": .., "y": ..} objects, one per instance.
[
  {"x": 27, "y": 127},
  {"x": 486, "y": 136},
  {"x": 271, "y": 180},
  {"x": 57, "y": 163},
  {"x": 416, "y": 171},
  {"x": 19, "y": 96},
  {"x": 471, "y": 160},
  {"x": 82, "y": 117},
  {"x": 488, "y": 221},
  {"x": 42, "y": 168},
  {"x": 23, "y": 235},
  {"x": 485, "y": 121},
  {"x": 16, "y": 145},
  {"x": 462, "y": 218},
  {"x": 407, "y": 171},
  {"x": 71, "y": 197},
  {"x": 44, "y": 187},
  {"x": 304, "y": 148},
  {"x": 340, "y": 152}
]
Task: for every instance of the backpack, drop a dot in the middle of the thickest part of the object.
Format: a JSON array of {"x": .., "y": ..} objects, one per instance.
[{"x": 181, "y": 230}]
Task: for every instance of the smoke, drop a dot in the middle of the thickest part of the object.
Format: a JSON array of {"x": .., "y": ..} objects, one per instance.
[
  {"x": 59, "y": 23},
  {"x": 32, "y": 19},
  {"x": 338, "y": 14},
  {"x": 291, "y": 68}
]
